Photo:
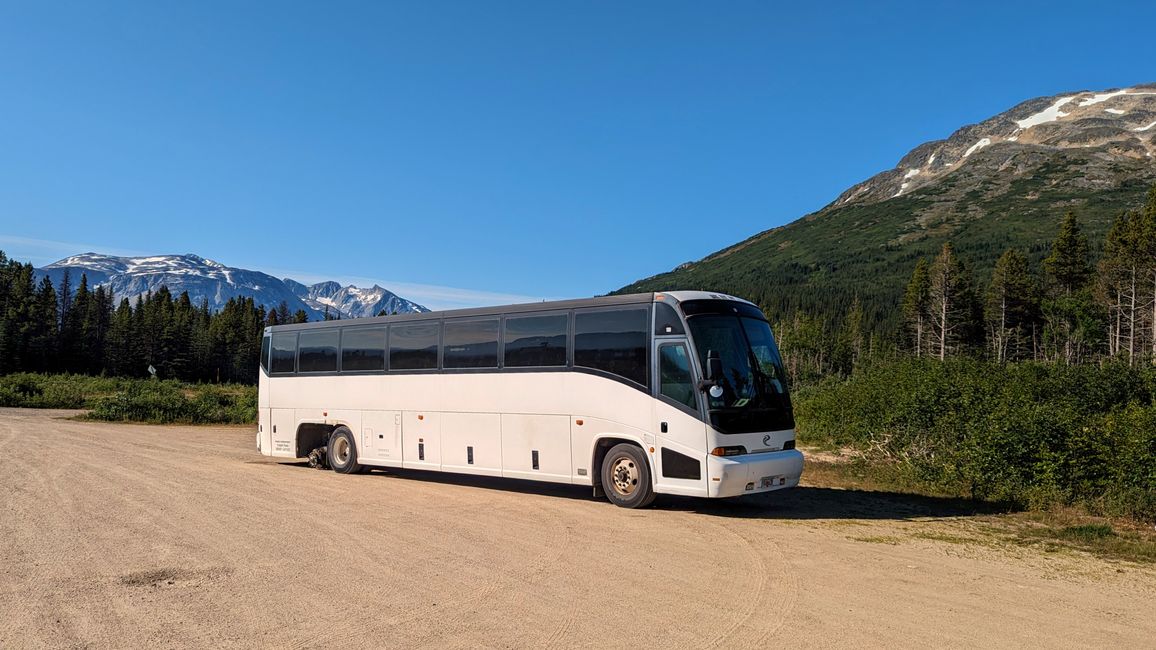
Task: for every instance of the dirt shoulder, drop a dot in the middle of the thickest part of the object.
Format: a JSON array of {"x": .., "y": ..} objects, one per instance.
[{"x": 125, "y": 536}]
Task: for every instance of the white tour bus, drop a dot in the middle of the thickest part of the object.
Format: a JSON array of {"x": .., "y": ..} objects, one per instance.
[{"x": 660, "y": 393}]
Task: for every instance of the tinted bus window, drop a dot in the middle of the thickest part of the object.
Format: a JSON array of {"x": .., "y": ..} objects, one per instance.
[
  {"x": 536, "y": 341},
  {"x": 613, "y": 341},
  {"x": 317, "y": 351},
  {"x": 470, "y": 344},
  {"x": 265, "y": 352},
  {"x": 675, "y": 378},
  {"x": 284, "y": 353},
  {"x": 413, "y": 347},
  {"x": 363, "y": 348}
]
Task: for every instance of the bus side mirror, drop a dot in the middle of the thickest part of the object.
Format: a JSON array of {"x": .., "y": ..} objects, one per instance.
[
  {"x": 714, "y": 369},
  {"x": 714, "y": 374}
]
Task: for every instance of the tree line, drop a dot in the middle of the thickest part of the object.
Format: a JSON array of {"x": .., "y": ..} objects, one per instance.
[
  {"x": 50, "y": 329},
  {"x": 1071, "y": 311},
  {"x": 1078, "y": 305}
]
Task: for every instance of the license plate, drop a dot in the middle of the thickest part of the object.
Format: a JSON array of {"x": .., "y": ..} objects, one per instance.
[{"x": 771, "y": 481}]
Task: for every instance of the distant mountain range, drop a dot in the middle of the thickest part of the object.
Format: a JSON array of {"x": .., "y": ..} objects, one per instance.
[
  {"x": 129, "y": 277},
  {"x": 1004, "y": 182}
]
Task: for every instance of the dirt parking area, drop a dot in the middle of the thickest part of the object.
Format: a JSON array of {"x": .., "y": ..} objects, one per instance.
[{"x": 151, "y": 536}]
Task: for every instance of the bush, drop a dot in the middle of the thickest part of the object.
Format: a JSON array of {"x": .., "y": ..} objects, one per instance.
[
  {"x": 172, "y": 402},
  {"x": 1027, "y": 434},
  {"x": 133, "y": 400}
]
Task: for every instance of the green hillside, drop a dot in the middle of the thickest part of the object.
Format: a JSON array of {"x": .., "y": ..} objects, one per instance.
[{"x": 1006, "y": 196}]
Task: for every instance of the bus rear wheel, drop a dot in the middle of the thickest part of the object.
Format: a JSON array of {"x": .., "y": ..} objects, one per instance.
[
  {"x": 626, "y": 477},
  {"x": 342, "y": 452}
]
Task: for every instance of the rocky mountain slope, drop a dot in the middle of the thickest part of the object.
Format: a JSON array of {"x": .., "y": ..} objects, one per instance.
[
  {"x": 351, "y": 301},
  {"x": 1003, "y": 182},
  {"x": 129, "y": 277}
]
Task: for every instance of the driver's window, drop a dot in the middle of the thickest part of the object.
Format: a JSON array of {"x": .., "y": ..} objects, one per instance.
[{"x": 675, "y": 378}]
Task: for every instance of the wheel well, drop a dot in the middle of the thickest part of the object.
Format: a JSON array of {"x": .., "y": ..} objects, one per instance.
[
  {"x": 311, "y": 435},
  {"x": 601, "y": 448}
]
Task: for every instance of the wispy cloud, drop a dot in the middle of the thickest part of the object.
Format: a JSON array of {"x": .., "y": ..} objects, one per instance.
[{"x": 44, "y": 251}]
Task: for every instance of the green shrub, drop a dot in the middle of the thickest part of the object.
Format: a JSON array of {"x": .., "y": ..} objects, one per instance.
[
  {"x": 133, "y": 400},
  {"x": 1027, "y": 434}
]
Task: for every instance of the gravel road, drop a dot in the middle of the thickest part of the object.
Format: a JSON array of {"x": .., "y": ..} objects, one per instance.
[{"x": 166, "y": 536}]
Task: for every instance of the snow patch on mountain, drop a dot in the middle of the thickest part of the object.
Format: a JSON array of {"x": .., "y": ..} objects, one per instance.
[
  {"x": 214, "y": 283},
  {"x": 977, "y": 146},
  {"x": 1049, "y": 114}
]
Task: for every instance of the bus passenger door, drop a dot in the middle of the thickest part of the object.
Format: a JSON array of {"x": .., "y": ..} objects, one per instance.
[{"x": 680, "y": 434}]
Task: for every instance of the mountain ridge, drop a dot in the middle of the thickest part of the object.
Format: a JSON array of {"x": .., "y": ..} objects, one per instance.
[
  {"x": 212, "y": 281},
  {"x": 1088, "y": 151}
]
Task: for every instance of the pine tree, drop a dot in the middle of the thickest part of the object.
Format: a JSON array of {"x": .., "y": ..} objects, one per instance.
[
  {"x": 65, "y": 296},
  {"x": 283, "y": 316},
  {"x": 1067, "y": 265},
  {"x": 19, "y": 316},
  {"x": 73, "y": 336},
  {"x": 1070, "y": 314},
  {"x": 852, "y": 334},
  {"x": 1010, "y": 307},
  {"x": 916, "y": 301},
  {"x": 953, "y": 305},
  {"x": 45, "y": 332}
]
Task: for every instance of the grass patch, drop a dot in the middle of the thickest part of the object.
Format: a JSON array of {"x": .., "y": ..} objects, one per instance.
[
  {"x": 946, "y": 537},
  {"x": 1087, "y": 533},
  {"x": 1118, "y": 540},
  {"x": 878, "y": 539},
  {"x": 1052, "y": 530}
]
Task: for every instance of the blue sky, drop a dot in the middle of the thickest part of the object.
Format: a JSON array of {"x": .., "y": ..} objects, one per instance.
[{"x": 479, "y": 152}]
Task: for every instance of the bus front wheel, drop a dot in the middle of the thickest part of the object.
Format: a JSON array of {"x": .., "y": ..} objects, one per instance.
[
  {"x": 626, "y": 477},
  {"x": 342, "y": 452}
]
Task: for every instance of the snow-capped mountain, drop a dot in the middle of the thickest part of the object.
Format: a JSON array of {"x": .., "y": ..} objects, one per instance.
[
  {"x": 1109, "y": 125},
  {"x": 1005, "y": 182},
  {"x": 351, "y": 301},
  {"x": 129, "y": 277}
]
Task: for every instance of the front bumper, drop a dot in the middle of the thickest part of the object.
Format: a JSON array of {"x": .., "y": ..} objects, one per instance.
[{"x": 732, "y": 476}]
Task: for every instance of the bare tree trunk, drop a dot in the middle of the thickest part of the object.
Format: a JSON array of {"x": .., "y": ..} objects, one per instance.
[
  {"x": 1114, "y": 340},
  {"x": 1002, "y": 356},
  {"x": 919, "y": 333},
  {"x": 1132, "y": 323},
  {"x": 943, "y": 328},
  {"x": 1153, "y": 324}
]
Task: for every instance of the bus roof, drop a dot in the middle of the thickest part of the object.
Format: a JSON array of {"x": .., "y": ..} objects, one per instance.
[{"x": 530, "y": 307}]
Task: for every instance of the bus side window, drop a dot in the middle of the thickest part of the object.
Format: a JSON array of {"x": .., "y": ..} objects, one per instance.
[
  {"x": 536, "y": 341},
  {"x": 470, "y": 344},
  {"x": 284, "y": 353},
  {"x": 362, "y": 348},
  {"x": 265, "y": 343},
  {"x": 317, "y": 351},
  {"x": 675, "y": 378},
  {"x": 414, "y": 346},
  {"x": 613, "y": 341}
]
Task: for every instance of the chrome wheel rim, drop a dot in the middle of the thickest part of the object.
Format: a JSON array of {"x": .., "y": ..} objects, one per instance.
[
  {"x": 624, "y": 474},
  {"x": 341, "y": 450}
]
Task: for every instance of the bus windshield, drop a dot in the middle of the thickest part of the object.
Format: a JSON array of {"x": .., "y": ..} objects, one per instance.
[{"x": 754, "y": 385}]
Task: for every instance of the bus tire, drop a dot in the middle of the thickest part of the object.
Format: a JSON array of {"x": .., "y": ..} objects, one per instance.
[
  {"x": 626, "y": 477},
  {"x": 342, "y": 452}
]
